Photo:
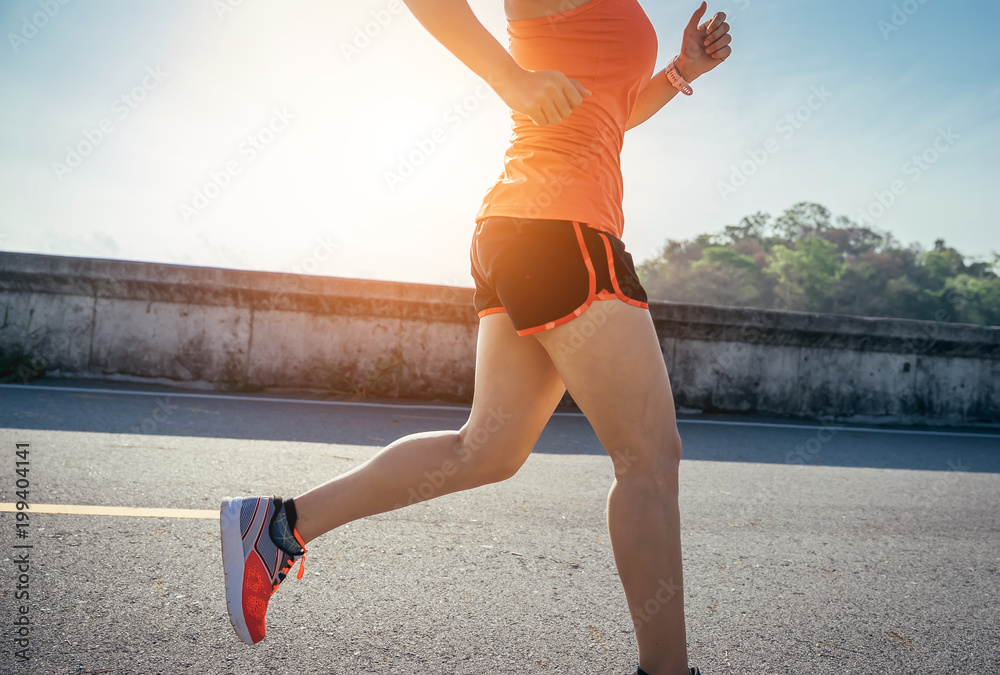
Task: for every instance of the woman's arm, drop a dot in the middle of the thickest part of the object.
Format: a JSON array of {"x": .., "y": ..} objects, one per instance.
[
  {"x": 702, "y": 49},
  {"x": 656, "y": 94},
  {"x": 546, "y": 96}
]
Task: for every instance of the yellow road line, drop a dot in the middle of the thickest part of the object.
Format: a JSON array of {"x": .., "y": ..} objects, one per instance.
[{"x": 88, "y": 510}]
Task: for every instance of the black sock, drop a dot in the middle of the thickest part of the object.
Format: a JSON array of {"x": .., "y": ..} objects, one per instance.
[
  {"x": 283, "y": 525},
  {"x": 290, "y": 514}
]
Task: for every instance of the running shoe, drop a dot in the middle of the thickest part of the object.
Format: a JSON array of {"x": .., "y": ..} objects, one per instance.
[
  {"x": 253, "y": 562},
  {"x": 693, "y": 671}
]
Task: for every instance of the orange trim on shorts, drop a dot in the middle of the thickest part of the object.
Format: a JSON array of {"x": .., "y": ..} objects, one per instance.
[
  {"x": 614, "y": 277},
  {"x": 591, "y": 289},
  {"x": 492, "y": 310},
  {"x": 558, "y": 322}
]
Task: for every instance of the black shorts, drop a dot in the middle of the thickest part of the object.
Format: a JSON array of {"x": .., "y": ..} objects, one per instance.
[{"x": 544, "y": 273}]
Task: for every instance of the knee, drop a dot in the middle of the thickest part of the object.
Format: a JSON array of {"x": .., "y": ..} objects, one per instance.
[
  {"x": 657, "y": 459},
  {"x": 489, "y": 460}
]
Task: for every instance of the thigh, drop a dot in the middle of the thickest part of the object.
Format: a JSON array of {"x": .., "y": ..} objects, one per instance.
[
  {"x": 610, "y": 360},
  {"x": 517, "y": 389}
]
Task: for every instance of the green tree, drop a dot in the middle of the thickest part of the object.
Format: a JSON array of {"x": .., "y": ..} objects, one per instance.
[
  {"x": 972, "y": 299},
  {"x": 815, "y": 263},
  {"x": 805, "y": 219},
  {"x": 807, "y": 272},
  {"x": 728, "y": 276},
  {"x": 756, "y": 226},
  {"x": 852, "y": 240}
]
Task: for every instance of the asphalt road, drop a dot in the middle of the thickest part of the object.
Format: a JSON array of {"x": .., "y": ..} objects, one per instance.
[{"x": 808, "y": 549}]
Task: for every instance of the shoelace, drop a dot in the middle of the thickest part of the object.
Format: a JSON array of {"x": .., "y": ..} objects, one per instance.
[{"x": 289, "y": 564}]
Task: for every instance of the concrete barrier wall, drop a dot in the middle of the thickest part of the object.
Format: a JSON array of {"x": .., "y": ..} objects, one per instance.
[{"x": 245, "y": 330}]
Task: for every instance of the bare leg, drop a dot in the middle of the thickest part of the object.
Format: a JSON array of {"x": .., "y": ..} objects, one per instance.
[
  {"x": 517, "y": 388},
  {"x": 610, "y": 360}
]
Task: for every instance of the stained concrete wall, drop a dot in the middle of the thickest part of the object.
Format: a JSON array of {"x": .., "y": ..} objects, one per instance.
[{"x": 216, "y": 327}]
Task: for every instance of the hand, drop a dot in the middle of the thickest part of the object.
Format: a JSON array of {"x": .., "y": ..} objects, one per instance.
[
  {"x": 704, "y": 46},
  {"x": 546, "y": 96}
]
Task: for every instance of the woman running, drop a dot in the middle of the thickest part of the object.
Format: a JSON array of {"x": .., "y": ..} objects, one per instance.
[{"x": 560, "y": 308}]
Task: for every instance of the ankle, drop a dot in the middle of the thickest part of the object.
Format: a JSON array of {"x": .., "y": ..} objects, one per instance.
[{"x": 282, "y": 528}]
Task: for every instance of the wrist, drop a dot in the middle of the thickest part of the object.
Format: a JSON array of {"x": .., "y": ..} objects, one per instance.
[
  {"x": 685, "y": 67},
  {"x": 677, "y": 79},
  {"x": 502, "y": 79}
]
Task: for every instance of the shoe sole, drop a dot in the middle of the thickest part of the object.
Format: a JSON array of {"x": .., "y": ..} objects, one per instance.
[{"x": 232, "y": 562}]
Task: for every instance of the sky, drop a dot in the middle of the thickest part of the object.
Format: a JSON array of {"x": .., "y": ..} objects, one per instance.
[{"x": 339, "y": 138}]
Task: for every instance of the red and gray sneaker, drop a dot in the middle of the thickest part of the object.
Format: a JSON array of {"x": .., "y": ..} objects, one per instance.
[{"x": 253, "y": 562}]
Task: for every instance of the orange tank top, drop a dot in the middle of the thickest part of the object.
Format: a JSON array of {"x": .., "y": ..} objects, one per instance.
[{"x": 572, "y": 171}]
